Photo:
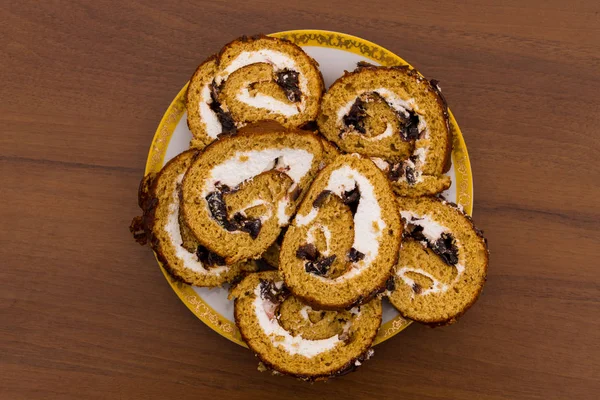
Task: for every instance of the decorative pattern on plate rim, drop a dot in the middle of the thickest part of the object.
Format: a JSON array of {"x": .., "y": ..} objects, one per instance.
[
  {"x": 353, "y": 44},
  {"x": 344, "y": 42}
]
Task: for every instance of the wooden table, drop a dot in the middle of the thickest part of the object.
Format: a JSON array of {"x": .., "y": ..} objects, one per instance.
[{"x": 86, "y": 314}]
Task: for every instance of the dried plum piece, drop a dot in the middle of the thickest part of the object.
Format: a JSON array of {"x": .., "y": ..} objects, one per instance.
[
  {"x": 208, "y": 258},
  {"x": 321, "y": 198},
  {"x": 270, "y": 291},
  {"x": 416, "y": 232},
  {"x": 356, "y": 116},
  {"x": 308, "y": 252},
  {"x": 225, "y": 119},
  {"x": 396, "y": 171},
  {"x": 390, "y": 284},
  {"x": 287, "y": 80},
  {"x": 355, "y": 255},
  {"x": 446, "y": 248},
  {"x": 248, "y": 225},
  {"x": 351, "y": 198},
  {"x": 218, "y": 210},
  {"x": 410, "y": 175},
  {"x": 416, "y": 288},
  {"x": 223, "y": 188},
  {"x": 320, "y": 267},
  {"x": 410, "y": 129}
]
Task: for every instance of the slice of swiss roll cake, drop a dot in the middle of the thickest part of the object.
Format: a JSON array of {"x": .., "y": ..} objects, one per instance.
[
  {"x": 252, "y": 79},
  {"x": 291, "y": 338},
  {"x": 397, "y": 117},
  {"x": 161, "y": 225},
  {"x": 241, "y": 190},
  {"x": 443, "y": 262},
  {"x": 344, "y": 241}
]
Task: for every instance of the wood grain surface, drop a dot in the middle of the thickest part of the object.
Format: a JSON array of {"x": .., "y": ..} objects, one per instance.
[{"x": 86, "y": 314}]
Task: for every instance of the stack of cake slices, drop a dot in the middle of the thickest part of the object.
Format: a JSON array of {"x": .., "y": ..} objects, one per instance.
[{"x": 337, "y": 192}]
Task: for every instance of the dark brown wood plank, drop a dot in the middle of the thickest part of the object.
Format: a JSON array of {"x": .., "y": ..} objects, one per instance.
[{"x": 87, "y": 314}]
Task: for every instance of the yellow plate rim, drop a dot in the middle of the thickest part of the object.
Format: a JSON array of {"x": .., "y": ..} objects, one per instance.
[{"x": 303, "y": 37}]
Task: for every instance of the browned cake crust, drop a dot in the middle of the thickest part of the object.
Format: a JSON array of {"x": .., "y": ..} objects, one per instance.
[
  {"x": 320, "y": 260},
  {"x": 258, "y": 77},
  {"x": 237, "y": 245},
  {"x": 360, "y": 331},
  {"x": 456, "y": 261},
  {"x": 155, "y": 195},
  {"x": 415, "y": 158}
]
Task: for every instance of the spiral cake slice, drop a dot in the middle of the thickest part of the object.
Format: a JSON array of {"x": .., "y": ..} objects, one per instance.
[
  {"x": 443, "y": 262},
  {"x": 396, "y": 116},
  {"x": 344, "y": 241},
  {"x": 161, "y": 226},
  {"x": 253, "y": 79},
  {"x": 243, "y": 189},
  {"x": 292, "y": 338}
]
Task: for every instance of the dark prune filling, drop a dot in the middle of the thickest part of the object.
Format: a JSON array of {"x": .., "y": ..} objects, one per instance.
[
  {"x": 315, "y": 262},
  {"x": 355, "y": 255},
  {"x": 307, "y": 252},
  {"x": 410, "y": 175},
  {"x": 356, "y": 116},
  {"x": 445, "y": 246},
  {"x": 208, "y": 258},
  {"x": 416, "y": 288},
  {"x": 351, "y": 198},
  {"x": 269, "y": 291},
  {"x": 396, "y": 171},
  {"x": 321, "y": 198},
  {"x": 390, "y": 284},
  {"x": 320, "y": 267},
  {"x": 239, "y": 222},
  {"x": 410, "y": 129},
  {"x": 289, "y": 82},
  {"x": 218, "y": 210},
  {"x": 356, "y": 119},
  {"x": 227, "y": 123},
  {"x": 248, "y": 225}
]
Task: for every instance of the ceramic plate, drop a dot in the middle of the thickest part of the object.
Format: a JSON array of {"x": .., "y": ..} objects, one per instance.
[{"x": 335, "y": 52}]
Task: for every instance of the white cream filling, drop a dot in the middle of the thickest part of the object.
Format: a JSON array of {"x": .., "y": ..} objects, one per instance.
[
  {"x": 279, "y": 61},
  {"x": 189, "y": 260},
  {"x": 396, "y": 102},
  {"x": 437, "y": 286},
  {"x": 269, "y": 103},
  {"x": 302, "y": 220},
  {"x": 432, "y": 231},
  {"x": 304, "y": 312},
  {"x": 281, "y": 338},
  {"x": 381, "y": 163},
  {"x": 416, "y": 166},
  {"x": 389, "y": 131},
  {"x": 208, "y": 116},
  {"x": 326, "y": 233},
  {"x": 368, "y": 215},
  {"x": 245, "y": 165}
]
